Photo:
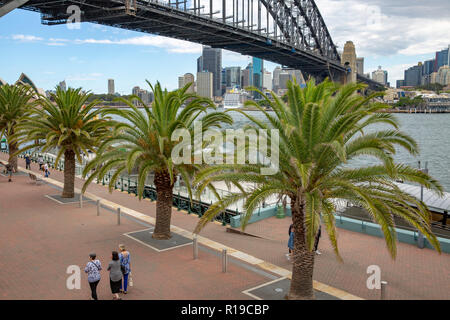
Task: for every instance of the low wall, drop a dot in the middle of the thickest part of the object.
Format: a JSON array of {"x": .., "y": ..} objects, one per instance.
[
  {"x": 261, "y": 214},
  {"x": 373, "y": 229}
]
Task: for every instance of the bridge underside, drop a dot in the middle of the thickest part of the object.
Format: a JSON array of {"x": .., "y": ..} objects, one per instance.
[{"x": 162, "y": 19}]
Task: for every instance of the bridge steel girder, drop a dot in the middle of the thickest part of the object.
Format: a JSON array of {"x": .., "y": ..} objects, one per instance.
[
  {"x": 304, "y": 41},
  {"x": 10, "y": 6}
]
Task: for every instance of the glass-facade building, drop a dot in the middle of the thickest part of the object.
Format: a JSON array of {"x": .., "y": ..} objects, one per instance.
[
  {"x": 211, "y": 61},
  {"x": 442, "y": 58},
  {"x": 232, "y": 77}
]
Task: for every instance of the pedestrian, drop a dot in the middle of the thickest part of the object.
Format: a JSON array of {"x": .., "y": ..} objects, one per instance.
[
  {"x": 27, "y": 162},
  {"x": 9, "y": 171},
  {"x": 316, "y": 241},
  {"x": 115, "y": 275},
  {"x": 124, "y": 257},
  {"x": 40, "y": 161},
  {"x": 290, "y": 242},
  {"x": 46, "y": 170},
  {"x": 93, "y": 268}
]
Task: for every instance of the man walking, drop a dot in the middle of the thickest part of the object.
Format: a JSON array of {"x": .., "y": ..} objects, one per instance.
[
  {"x": 40, "y": 161},
  {"x": 27, "y": 162}
]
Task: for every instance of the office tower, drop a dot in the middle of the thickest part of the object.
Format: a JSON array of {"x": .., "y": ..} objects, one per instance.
[
  {"x": 111, "y": 89},
  {"x": 232, "y": 77},
  {"x": 295, "y": 74},
  {"x": 258, "y": 68},
  {"x": 211, "y": 61},
  {"x": 245, "y": 78},
  {"x": 360, "y": 66},
  {"x": 180, "y": 82},
  {"x": 413, "y": 76},
  {"x": 442, "y": 59},
  {"x": 443, "y": 75},
  {"x": 205, "y": 84},
  {"x": 189, "y": 78},
  {"x": 400, "y": 83},
  {"x": 267, "y": 80},
  {"x": 62, "y": 85},
  {"x": 380, "y": 76},
  {"x": 284, "y": 78},
  {"x": 276, "y": 79}
]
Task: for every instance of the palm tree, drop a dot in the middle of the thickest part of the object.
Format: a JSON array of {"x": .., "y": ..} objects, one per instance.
[
  {"x": 69, "y": 125},
  {"x": 322, "y": 128},
  {"x": 144, "y": 142},
  {"x": 16, "y": 102}
]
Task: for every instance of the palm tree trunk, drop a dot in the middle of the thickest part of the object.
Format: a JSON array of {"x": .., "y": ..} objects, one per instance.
[
  {"x": 69, "y": 174},
  {"x": 303, "y": 267},
  {"x": 13, "y": 159},
  {"x": 164, "y": 191}
]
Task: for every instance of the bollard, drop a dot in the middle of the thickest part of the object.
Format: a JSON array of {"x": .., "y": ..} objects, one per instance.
[
  {"x": 195, "y": 246},
  {"x": 118, "y": 216},
  {"x": 98, "y": 208},
  {"x": 383, "y": 290},
  {"x": 224, "y": 260},
  {"x": 81, "y": 200}
]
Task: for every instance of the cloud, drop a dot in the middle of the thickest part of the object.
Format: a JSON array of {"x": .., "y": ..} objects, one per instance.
[
  {"x": 384, "y": 28},
  {"x": 26, "y": 38}
]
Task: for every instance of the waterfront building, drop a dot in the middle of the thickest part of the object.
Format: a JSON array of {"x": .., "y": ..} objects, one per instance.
[
  {"x": 442, "y": 59},
  {"x": 62, "y": 85},
  {"x": 276, "y": 78},
  {"x": 400, "y": 83},
  {"x": 267, "y": 80},
  {"x": 205, "y": 84},
  {"x": 232, "y": 77},
  {"x": 258, "y": 69},
  {"x": 184, "y": 80},
  {"x": 211, "y": 61},
  {"x": 360, "y": 66},
  {"x": 380, "y": 76},
  {"x": 144, "y": 95},
  {"x": 443, "y": 75},
  {"x": 413, "y": 76},
  {"x": 111, "y": 89}
]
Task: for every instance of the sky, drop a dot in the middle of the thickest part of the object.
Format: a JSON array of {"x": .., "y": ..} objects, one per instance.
[{"x": 394, "y": 34}]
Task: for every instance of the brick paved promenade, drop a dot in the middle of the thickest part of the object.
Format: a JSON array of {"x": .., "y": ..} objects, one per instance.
[{"x": 415, "y": 274}]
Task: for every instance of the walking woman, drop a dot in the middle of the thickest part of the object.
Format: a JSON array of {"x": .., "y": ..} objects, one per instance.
[
  {"x": 124, "y": 256},
  {"x": 290, "y": 242},
  {"x": 115, "y": 275},
  {"x": 93, "y": 268}
]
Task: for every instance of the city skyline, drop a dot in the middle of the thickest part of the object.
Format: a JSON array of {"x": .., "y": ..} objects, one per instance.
[{"x": 93, "y": 54}]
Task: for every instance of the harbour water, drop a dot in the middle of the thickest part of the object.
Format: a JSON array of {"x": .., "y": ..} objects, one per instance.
[{"x": 431, "y": 131}]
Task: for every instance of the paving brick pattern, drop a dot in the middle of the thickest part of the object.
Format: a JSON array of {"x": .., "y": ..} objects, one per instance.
[{"x": 415, "y": 274}]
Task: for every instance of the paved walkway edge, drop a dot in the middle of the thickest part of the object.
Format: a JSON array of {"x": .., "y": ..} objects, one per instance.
[{"x": 205, "y": 241}]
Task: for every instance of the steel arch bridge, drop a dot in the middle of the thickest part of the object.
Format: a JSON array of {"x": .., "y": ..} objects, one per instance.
[{"x": 289, "y": 32}]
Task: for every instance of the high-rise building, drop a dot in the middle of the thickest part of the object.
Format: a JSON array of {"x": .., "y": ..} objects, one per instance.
[
  {"x": 267, "y": 80},
  {"x": 144, "y": 95},
  {"x": 284, "y": 78},
  {"x": 258, "y": 69},
  {"x": 295, "y": 74},
  {"x": 184, "y": 80},
  {"x": 205, "y": 84},
  {"x": 62, "y": 85},
  {"x": 276, "y": 78},
  {"x": 232, "y": 77},
  {"x": 111, "y": 89},
  {"x": 443, "y": 75},
  {"x": 428, "y": 67},
  {"x": 413, "y": 76},
  {"x": 380, "y": 76},
  {"x": 360, "y": 66},
  {"x": 245, "y": 77},
  {"x": 211, "y": 61},
  {"x": 442, "y": 59},
  {"x": 400, "y": 83}
]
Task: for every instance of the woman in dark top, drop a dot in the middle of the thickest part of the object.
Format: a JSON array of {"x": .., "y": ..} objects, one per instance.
[{"x": 115, "y": 275}]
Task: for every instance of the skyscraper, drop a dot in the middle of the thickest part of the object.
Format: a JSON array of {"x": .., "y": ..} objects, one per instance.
[
  {"x": 111, "y": 86},
  {"x": 360, "y": 66},
  {"x": 62, "y": 85},
  {"x": 267, "y": 80},
  {"x": 413, "y": 76},
  {"x": 205, "y": 84},
  {"x": 211, "y": 61},
  {"x": 189, "y": 78},
  {"x": 232, "y": 77},
  {"x": 380, "y": 76},
  {"x": 258, "y": 69},
  {"x": 442, "y": 59},
  {"x": 276, "y": 78}
]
